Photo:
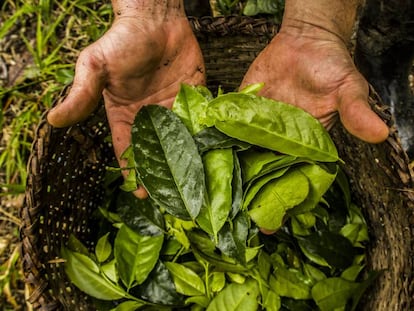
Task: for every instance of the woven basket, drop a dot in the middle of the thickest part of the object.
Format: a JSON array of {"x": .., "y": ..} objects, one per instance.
[{"x": 67, "y": 167}]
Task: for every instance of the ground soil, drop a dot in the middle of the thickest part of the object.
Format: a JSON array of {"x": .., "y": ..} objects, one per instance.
[
  {"x": 13, "y": 59},
  {"x": 12, "y": 297}
]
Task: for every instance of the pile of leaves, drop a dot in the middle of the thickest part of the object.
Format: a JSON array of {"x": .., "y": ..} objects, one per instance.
[
  {"x": 219, "y": 172},
  {"x": 268, "y": 8}
]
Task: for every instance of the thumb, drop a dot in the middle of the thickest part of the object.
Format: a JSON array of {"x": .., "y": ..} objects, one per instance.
[
  {"x": 358, "y": 119},
  {"x": 84, "y": 96}
]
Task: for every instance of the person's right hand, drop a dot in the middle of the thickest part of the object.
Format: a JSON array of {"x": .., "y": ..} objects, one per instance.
[{"x": 139, "y": 61}]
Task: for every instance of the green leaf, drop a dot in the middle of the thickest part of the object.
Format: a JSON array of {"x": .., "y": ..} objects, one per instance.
[
  {"x": 302, "y": 224},
  {"x": 264, "y": 263},
  {"x": 177, "y": 228},
  {"x": 168, "y": 162},
  {"x": 219, "y": 263},
  {"x": 269, "y": 206},
  {"x": 219, "y": 174},
  {"x": 195, "y": 266},
  {"x": 140, "y": 214},
  {"x": 110, "y": 216},
  {"x": 218, "y": 281},
  {"x": 333, "y": 293},
  {"x": 313, "y": 273},
  {"x": 190, "y": 105},
  {"x": 186, "y": 281},
  {"x": 159, "y": 287},
  {"x": 297, "y": 305},
  {"x": 271, "y": 6},
  {"x": 351, "y": 273},
  {"x": 297, "y": 228},
  {"x": 203, "y": 219},
  {"x": 256, "y": 163},
  {"x": 252, "y": 252},
  {"x": 352, "y": 233},
  {"x": 334, "y": 248},
  {"x": 252, "y": 88},
  {"x": 200, "y": 301},
  {"x": 136, "y": 255},
  {"x": 289, "y": 283},
  {"x": 232, "y": 238},
  {"x": 76, "y": 246},
  {"x": 314, "y": 257},
  {"x": 211, "y": 138},
  {"x": 201, "y": 241},
  {"x": 84, "y": 273},
  {"x": 271, "y": 301},
  {"x": 271, "y": 124},
  {"x": 355, "y": 215},
  {"x": 237, "y": 188},
  {"x": 254, "y": 7},
  {"x": 197, "y": 303},
  {"x": 307, "y": 220},
  {"x": 236, "y": 277},
  {"x": 129, "y": 183},
  {"x": 253, "y": 160},
  {"x": 103, "y": 248},
  {"x": 236, "y": 297},
  {"x": 251, "y": 8},
  {"x": 129, "y": 305},
  {"x": 171, "y": 246},
  {"x": 254, "y": 188},
  {"x": 356, "y": 230},
  {"x": 319, "y": 181},
  {"x": 110, "y": 270}
]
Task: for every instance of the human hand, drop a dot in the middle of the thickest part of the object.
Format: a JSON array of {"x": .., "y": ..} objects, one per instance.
[
  {"x": 139, "y": 61},
  {"x": 311, "y": 68}
]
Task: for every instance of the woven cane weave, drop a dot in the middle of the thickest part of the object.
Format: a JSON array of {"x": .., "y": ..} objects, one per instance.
[{"x": 67, "y": 167}]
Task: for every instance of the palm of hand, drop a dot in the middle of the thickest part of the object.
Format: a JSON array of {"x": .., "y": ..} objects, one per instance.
[
  {"x": 319, "y": 77},
  {"x": 134, "y": 64},
  {"x": 146, "y": 66}
]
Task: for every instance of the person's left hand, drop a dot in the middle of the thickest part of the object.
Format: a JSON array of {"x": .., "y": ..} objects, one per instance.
[{"x": 319, "y": 76}]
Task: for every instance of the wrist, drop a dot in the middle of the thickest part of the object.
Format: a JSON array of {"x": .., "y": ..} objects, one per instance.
[
  {"x": 322, "y": 20},
  {"x": 148, "y": 9}
]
